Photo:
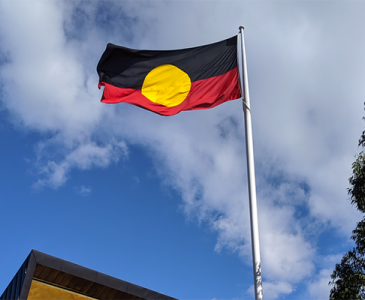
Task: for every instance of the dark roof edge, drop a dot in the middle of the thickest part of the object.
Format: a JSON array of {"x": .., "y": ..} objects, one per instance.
[
  {"x": 28, "y": 276},
  {"x": 37, "y": 257}
]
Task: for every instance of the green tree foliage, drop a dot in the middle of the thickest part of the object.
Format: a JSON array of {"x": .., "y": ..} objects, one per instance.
[{"x": 348, "y": 278}]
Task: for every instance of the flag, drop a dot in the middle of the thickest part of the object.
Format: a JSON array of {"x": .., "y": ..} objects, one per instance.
[{"x": 169, "y": 81}]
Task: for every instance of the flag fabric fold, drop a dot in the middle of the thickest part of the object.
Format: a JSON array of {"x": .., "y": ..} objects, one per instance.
[{"x": 169, "y": 81}]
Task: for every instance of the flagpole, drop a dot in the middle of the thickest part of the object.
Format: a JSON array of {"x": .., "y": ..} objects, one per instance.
[{"x": 251, "y": 176}]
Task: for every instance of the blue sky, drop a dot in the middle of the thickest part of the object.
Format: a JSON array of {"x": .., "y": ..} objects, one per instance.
[{"x": 162, "y": 201}]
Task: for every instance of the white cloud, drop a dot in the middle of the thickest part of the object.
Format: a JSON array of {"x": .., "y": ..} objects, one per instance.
[
  {"x": 44, "y": 75},
  {"x": 83, "y": 190},
  {"x": 285, "y": 251},
  {"x": 320, "y": 289},
  {"x": 83, "y": 157},
  {"x": 277, "y": 289},
  {"x": 136, "y": 181}
]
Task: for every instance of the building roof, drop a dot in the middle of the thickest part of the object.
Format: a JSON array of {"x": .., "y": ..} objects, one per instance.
[{"x": 44, "y": 268}]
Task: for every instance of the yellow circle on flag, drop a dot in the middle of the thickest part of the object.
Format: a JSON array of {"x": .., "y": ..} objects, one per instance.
[{"x": 166, "y": 85}]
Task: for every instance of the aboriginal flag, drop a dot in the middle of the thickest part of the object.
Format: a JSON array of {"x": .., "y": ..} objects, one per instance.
[{"x": 167, "y": 82}]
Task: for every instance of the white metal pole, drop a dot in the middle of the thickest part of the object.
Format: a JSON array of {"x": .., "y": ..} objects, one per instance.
[{"x": 251, "y": 176}]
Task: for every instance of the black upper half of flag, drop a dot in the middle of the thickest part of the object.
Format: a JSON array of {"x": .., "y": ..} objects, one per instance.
[{"x": 127, "y": 68}]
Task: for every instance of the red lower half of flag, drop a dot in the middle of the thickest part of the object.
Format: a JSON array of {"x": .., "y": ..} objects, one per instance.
[{"x": 204, "y": 94}]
